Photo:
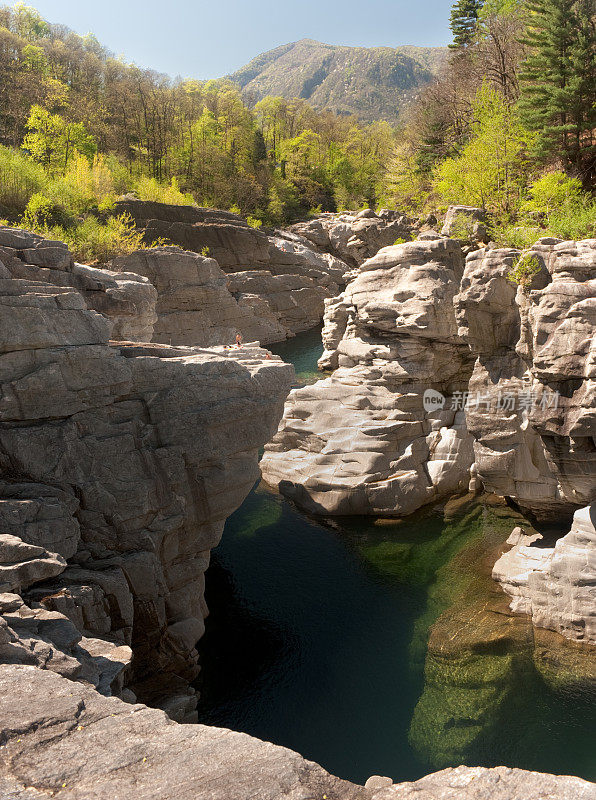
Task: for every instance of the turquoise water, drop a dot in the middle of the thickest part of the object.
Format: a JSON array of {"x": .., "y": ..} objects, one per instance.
[{"x": 318, "y": 640}]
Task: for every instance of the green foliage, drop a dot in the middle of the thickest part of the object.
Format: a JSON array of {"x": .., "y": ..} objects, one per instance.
[
  {"x": 20, "y": 178},
  {"x": 41, "y": 212},
  {"x": 524, "y": 270},
  {"x": 558, "y": 83},
  {"x": 516, "y": 235},
  {"x": 491, "y": 168},
  {"x": 92, "y": 241},
  {"x": 53, "y": 141},
  {"x": 463, "y": 228},
  {"x": 205, "y": 251},
  {"x": 553, "y": 191},
  {"x": 85, "y": 186},
  {"x": 254, "y": 222},
  {"x": 463, "y": 21},
  {"x": 150, "y": 189},
  {"x": 399, "y": 240}
]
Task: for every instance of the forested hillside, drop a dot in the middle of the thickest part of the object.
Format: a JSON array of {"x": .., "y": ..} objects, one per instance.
[
  {"x": 509, "y": 124},
  {"x": 374, "y": 83}
]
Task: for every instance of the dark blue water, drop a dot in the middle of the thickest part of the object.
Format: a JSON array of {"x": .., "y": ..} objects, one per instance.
[{"x": 317, "y": 641}]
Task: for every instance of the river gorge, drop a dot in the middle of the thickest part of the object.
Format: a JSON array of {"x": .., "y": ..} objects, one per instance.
[
  {"x": 318, "y": 640},
  {"x": 402, "y": 603}
]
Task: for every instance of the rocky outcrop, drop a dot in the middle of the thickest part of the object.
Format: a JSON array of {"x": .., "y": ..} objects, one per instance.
[
  {"x": 414, "y": 321},
  {"x": 196, "y": 303},
  {"x": 355, "y": 236},
  {"x": 127, "y": 299},
  {"x": 534, "y": 375},
  {"x": 64, "y": 740},
  {"x": 555, "y": 586},
  {"x": 362, "y": 441},
  {"x": 467, "y": 223},
  {"x": 118, "y": 468},
  {"x": 294, "y": 277}
]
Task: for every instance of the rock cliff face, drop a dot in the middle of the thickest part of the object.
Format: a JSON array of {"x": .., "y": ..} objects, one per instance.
[
  {"x": 535, "y": 372},
  {"x": 362, "y": 441},
  {"x": 285, "y": 297},
  {"x": 515, "y": 367},
  {"x": 118, "y": 467}
]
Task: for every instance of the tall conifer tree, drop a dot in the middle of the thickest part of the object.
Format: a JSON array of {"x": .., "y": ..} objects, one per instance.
[
  {"x": 463, "y": 21},
  {"x": 558, "y": 83}
]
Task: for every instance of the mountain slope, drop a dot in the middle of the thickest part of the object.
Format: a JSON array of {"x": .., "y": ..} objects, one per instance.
[{"x": 375, "y": 83}]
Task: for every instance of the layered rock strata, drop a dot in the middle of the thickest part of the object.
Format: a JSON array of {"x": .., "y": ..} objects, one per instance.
[
  {"x": 118, "y": 468},
  {"x": 127, "y": 299},
  {"x": 293, "y": 276},
  {"x": 362, "y": 441}
]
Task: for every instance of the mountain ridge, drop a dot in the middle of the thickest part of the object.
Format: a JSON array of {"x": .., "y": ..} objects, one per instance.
[{"x": 372, "y": 82}]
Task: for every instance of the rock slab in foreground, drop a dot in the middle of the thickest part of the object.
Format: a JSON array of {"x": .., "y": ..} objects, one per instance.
[{"x": 62, "y": 740}]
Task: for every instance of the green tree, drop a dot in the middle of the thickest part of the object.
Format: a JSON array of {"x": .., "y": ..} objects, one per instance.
[
  {"x": 558, "y": 83},
  {"x": 491, "y": 169},
  {"x": 53, "y": 141},
  {"x": 463, "y": 21}
]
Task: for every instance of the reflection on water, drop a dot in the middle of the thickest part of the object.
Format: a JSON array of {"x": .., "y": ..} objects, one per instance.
[
  {"x": 383, "y": 647},
  {"x": 303, "y": 351}
]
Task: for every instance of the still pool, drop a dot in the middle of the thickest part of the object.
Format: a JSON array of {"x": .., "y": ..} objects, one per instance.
[{"x": 381, "y": 647}]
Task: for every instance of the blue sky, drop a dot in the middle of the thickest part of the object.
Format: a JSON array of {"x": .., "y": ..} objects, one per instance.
[{"x": 209, "y": 38}]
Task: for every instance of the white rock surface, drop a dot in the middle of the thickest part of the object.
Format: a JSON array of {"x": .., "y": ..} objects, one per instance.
[
  {"x": 361, "y": 442},
  {"x": 556, "y": 585}
]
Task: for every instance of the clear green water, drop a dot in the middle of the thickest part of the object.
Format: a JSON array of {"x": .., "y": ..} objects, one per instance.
[{"x": 318, "y": 640}]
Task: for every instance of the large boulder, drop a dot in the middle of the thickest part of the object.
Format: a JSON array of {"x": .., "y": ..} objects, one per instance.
[
  {"x": 364, "y": 441},
  {"x": 355, "y": 237}
]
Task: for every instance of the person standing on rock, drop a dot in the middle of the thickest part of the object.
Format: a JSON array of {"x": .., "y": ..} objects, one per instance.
[{"x": 238, "y": 340}]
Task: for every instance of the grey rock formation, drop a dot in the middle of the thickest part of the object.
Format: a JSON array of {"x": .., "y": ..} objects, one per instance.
[
  {"x": 355, "y": 236},
  {"x": 62, "y": 739},
  {"x": 466, "y": 223},
  {"x": 128, "y": 300},
  {"x": 534, "y": 374},
  {"x": 295, "y": 276},
  {"x": 126, "y": 461},
  {"x": 414, "y": 320},
  {"x": 499, "y": 783},
  {"x": 194, "y": 301},
  {"x": 361, "y": 441},
  {"x": 556, "y": 586},
  {"x": 23, "y": 564}
]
